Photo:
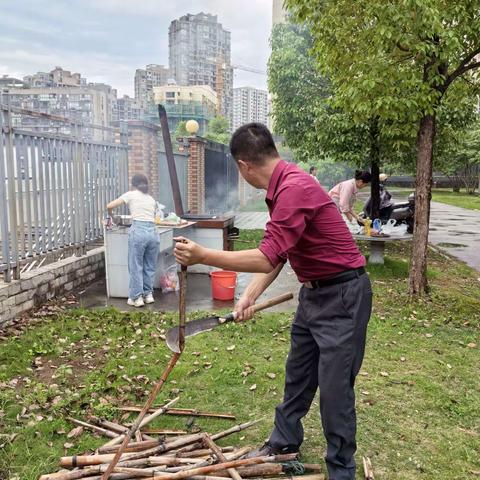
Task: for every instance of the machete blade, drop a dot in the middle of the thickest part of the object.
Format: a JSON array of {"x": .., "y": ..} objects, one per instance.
[{"x": 191, "y": 329}]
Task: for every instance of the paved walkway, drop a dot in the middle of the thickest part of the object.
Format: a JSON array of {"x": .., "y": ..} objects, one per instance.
[
  {"x": 457, "y": 231},
  {"x": 251, "y": 220},
  {"x": 454, "y": 229}
]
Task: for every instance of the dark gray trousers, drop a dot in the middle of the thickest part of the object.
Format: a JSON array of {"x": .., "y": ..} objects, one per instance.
[{"x": 327, "y": 346}]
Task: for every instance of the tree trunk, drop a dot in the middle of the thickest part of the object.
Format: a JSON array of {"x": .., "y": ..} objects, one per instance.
[
  {"x": 375, "y": 169},
  {"x": 423, "y": 195}
]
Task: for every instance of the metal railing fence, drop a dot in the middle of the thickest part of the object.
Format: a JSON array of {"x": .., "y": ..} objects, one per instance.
[{"x": 54, "y": 186}]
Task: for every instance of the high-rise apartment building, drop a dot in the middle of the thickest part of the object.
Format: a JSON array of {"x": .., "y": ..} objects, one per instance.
[
  {"x": 81, "y": 104},
  {"x": 145, "y": 80},
  {"x": 199, "y": 54},
  {"x": 58, "y": 77},
  {"x": 127, "y": 108},
  {"x": 249, "y": 105},
  {"x": 111, "y": 95}
]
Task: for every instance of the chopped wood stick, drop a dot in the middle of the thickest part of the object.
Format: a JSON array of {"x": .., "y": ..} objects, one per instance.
[
  {"x": 103, "y": 431},
  {"x": 202, "y": 452},
  {"x": 230, "y": 456},
  {"x": 138, "y": 436},
  {"x": 114, "y": 441},
  {"x": 225, "y": 433},
  {"x": 224, "y": 466},
  {"x": 158, "y": 412},
  {"x": 86, "y": 460},
  {"x": 115, "y": 427},
  {"x": 367, "y": 468},
  {"x": 220, "y": 456},
  {"x": 234, "y": 429},
  {"x": 266, "y": 470},
  {"x": 187, "y": 439},
  {"x": 190, "y": 412},
  {"x": 163, "y": 431},
  {"x": 131, "y": 447}
]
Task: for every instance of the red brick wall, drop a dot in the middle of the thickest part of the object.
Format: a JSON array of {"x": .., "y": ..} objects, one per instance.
[
  {"x": 196, "y": 175},
  {"x": 143, "y": 154}
]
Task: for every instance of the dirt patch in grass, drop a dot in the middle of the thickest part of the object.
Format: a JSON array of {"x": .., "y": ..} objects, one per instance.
[{"x": 75, "y": 366}]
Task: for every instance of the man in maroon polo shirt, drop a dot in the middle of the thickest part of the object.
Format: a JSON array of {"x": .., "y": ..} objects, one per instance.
[{"x": 329, "y": 329}]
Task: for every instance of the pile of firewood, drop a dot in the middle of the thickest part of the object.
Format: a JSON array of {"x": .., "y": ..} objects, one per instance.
[{"x": 155, "y": 453}]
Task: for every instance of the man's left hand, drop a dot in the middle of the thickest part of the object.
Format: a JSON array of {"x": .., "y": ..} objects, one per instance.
[{"x": 187, "y": 252}]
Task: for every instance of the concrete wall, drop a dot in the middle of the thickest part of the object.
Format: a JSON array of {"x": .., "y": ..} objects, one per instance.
[{"x": 44, "y": 283}]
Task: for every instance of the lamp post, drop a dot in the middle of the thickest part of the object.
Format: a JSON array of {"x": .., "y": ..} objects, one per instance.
[{"x": 192, "y": 127}]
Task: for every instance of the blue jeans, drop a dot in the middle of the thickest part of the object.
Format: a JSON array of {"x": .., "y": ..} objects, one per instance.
[{"x": 143, "y": 246}]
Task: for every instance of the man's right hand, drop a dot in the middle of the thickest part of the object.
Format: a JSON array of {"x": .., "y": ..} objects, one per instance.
[{"x": 244, "y": 309}]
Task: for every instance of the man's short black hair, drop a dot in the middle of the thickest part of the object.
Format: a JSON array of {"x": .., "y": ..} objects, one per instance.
[{"x": 253, "y": 143}]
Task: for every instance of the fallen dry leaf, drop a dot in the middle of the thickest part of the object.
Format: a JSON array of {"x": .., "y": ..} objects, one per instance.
[
  {"x": 76, "y": 432},
  {"x": 384, "y": 374},
  {"x": 471, "y": 345},
  {"x": 271, "y": 375},
  {"x": 231, "y": 348},
  {"x": 68, "y": 445},
  {"x": 253, "y": 387}
]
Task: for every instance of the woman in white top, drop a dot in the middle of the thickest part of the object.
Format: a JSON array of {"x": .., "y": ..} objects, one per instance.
[{"x": 143, "y": 241}]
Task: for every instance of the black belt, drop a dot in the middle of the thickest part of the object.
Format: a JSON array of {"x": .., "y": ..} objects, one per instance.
[{"x": 340, "y": 278}]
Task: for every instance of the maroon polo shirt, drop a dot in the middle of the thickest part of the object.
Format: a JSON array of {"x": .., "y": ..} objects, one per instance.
[{"x": 306, "y": 227}]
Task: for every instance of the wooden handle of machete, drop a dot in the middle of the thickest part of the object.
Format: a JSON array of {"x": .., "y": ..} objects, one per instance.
[
  {"x": 272, "y": 302},
  {"x": 260, "y": 306}
]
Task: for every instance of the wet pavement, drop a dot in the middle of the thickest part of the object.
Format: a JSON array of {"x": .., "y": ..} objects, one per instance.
[
  {"x": 457, "y": 231},
  {"x": 199, "y": 297}
]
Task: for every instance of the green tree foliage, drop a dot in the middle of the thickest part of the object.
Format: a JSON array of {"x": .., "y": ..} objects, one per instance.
[
  {"x": 181, "y": 130},
  {"x": 398, "y": 62},
  {"x": 459, "y": 159},
  {"x": 218, "y": 130},
  {"x": 301, "y": 111}
]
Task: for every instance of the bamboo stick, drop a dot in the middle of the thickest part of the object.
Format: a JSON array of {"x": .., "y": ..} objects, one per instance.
[
  {"x": 234, "y": 429},
  {"x": 190, "y": 412},
  {"x": 131, "y": 447},
  {"x": 115, "y": 427},
  {"x": 164, "y": 431},
  {"x": 220, "y": 456},
  {"x": 114, "y": 441},
  {"x": 158, "y": 412},
  {"x": 223, "y": 466},
  {"x": 203, "y": 452},
  {"x": 367, "y": 468},
  {"x": 230, "y": 456},
  {"x": 103, "y": 431},
  {"x": 224, "y": 433}
]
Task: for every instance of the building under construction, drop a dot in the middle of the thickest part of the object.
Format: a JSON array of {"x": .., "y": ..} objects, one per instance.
[{"x": 199, "y": 54}]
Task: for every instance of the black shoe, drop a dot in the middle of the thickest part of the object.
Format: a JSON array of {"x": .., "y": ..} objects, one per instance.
[{"x": 267, "y": 450}]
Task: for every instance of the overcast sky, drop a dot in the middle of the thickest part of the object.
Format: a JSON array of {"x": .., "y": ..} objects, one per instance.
[{"x": 106, "y": 40}]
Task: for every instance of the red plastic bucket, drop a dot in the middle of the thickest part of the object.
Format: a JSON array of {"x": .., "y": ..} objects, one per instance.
[{"x": 223, "y": 284}]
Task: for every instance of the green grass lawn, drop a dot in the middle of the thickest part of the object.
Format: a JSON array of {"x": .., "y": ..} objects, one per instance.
[
  {"x": 417, "y": 394},
  {"x": 461, "y": 199}
]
